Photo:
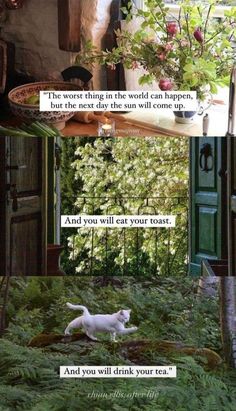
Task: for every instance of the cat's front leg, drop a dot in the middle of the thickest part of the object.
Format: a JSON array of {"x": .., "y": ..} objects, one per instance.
[
  {"x": 91, "y": 336},
  {"x": 67, "y": 330},
  {"x": 113, "y": 337},
  {"x": 128, "y": 330}
]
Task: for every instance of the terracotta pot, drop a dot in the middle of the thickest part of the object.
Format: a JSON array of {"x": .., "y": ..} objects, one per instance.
[{"x": 53, "y": 254}]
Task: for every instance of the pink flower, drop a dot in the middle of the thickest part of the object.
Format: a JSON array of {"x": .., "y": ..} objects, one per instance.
[
  {"x": 184, "y": 43},
  {"x": 172, "y": 28},
  {"x": 135, "y": 65},
  {"x": 165, "y": 84},
  {"x": 198, "y": 35},
  {"x": 162, "y": 56},
  {"x": 168, "y": 47}
]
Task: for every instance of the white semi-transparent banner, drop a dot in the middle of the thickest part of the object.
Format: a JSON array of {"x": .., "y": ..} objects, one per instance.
[
  {"x": 127, "y": 371},
  {"x": 118, "y": 221},
  {"x": 118, "y": 100}
]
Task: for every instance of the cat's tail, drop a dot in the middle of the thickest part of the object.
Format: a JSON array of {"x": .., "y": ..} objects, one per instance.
[{"x": 78, "y": 307}]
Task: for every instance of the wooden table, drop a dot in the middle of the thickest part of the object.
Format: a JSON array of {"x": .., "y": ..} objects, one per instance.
[
  {"x": 158, "y": 123},
  {"x": 73, "y": 128},
  {"x": 152, "y": 123}
]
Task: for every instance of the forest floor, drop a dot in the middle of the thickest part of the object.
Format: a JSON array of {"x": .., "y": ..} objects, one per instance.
[{"x": 169, "y": 314}]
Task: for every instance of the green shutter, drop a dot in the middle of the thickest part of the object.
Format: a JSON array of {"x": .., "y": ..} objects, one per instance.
[{"x": 207, "y": 213}]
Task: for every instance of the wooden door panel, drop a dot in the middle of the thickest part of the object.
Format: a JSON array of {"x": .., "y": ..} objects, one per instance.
[
  {"x": 207, "y": 181},
  {"x": 28, "y": 179},
  {"x": 207, "y": 217},
  {"x": 23, "y": 205},
  {"x": 26, "y": 242}
]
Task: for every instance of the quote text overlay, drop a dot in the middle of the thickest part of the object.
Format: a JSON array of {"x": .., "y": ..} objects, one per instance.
[
  {"x": 133, "y": 371},
  {"x": 118, "y": 221},
  {"x": 74, "y": 101}
]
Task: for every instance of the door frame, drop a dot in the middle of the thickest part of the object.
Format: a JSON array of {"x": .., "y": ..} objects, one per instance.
[{"x": 2, "y": 207}]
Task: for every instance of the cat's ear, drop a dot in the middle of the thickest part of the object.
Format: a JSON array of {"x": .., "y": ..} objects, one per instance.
[{"x": 122, "y": 312}]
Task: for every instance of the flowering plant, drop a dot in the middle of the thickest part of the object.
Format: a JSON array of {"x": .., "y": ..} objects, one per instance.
[{"x": 190, "y": 51}]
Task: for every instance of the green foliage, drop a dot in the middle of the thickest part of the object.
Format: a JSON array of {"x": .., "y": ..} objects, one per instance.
[
  {"x": 161, "y": 308},
  {"x": 115, "y": 176},
  {"x": 69, "y": 189},
  {"x": 189, "y": 62}
]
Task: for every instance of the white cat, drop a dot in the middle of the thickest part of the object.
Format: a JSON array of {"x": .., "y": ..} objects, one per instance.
[{"x": 112, "y": 323}]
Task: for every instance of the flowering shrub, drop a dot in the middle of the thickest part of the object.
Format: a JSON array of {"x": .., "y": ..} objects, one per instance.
[{"x": 192, "y": 51}]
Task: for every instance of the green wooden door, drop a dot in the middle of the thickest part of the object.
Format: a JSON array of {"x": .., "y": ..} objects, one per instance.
[
  {"x": 208, "y": 184},
  {"x": 231, "y": 166}
]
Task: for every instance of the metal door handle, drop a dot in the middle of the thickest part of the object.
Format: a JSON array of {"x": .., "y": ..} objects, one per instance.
[
  {"x": 13, "y": 195},
  {"x": 205, "y": 154},
  {"x": 8, "y": 168},
  {"x": 58, "y": 152},
  {"x": 232, "y": 104},
  {"x": 222, "y": 173},
  {"x": 233, "y": 204}
]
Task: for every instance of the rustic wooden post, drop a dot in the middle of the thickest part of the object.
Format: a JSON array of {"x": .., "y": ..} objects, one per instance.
[
  {"x": 69, "y": 24},
  {"x": 115, "y": 78},
  {"x": 4, "y": 291},
  {"x": 228, "y": 318}
]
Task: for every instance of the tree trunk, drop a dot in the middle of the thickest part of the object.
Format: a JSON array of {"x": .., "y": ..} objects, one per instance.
[
  {"x": 228, "y": 318},
  {"x": 4, "y": 291},
  {"x": 134, "y": 350}
]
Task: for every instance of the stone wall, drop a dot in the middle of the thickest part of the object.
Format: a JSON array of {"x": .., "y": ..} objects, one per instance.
[
  {"x": 34, "y": 31},
  {"x": 95, "y": 20}
]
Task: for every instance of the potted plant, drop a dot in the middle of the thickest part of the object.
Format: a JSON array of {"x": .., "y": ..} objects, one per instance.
[{"x": 191, "y": 50}]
